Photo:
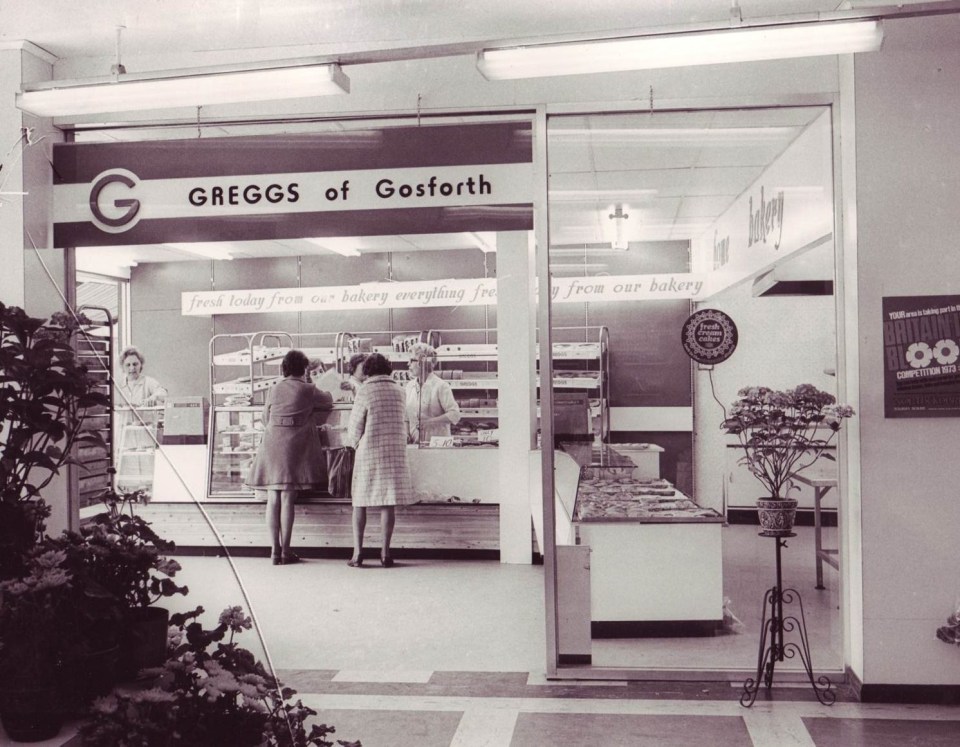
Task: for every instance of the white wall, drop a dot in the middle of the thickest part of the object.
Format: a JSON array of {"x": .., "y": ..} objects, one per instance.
[
  {"x": 908, "y": 186},
  {"x": 11, "y": 209},
  {"x": 782, "y": 342}
]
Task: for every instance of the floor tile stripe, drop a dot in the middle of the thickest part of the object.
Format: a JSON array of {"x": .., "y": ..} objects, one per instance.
[
  {"x": 776, "y": 729},
  {"x": 779, "y": 709},
  {"x": 485, "y": 728},
  {"x": 420, "y": 677},
  {"x": 539, "y": 678}
]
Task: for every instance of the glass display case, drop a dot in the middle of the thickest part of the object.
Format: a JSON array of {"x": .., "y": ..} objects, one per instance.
[
  {"x": 236, "y": 432},
  {"x": 656, "y": 560}
]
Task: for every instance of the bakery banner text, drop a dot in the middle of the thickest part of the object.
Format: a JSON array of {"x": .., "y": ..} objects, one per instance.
[{"x": 432, "y": 293}]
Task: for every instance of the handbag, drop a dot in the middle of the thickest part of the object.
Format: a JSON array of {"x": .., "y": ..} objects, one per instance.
[{"x": 340, "y": 472}]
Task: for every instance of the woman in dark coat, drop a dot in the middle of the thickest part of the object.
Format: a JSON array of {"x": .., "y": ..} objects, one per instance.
[
  {"x": 378, "y": 431},
  {"x": 290, "y": 457}
]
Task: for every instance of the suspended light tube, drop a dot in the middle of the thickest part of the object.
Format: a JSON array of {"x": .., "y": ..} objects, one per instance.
[
  {"x": 183, "y": 88},
  {"x": 712, "y": 47}
]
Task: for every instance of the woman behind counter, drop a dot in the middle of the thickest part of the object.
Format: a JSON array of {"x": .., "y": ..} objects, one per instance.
[
  {"x": 378, "y": 431},
  {"x": 289, "y": 457},
  {"x": 431, "y": 407},
  {"x": 137, "y": 389}
]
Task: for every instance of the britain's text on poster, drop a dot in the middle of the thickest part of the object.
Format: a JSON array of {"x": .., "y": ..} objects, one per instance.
[{"x": 921, "y": 344}]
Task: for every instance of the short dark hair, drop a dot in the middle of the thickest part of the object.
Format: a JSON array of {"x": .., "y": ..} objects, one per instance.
[
  {"x": 376, "y": 365},
  {"x": 131, "y": 351},
  {"x": 294, "y": 363},
  {"x": 355, "y": 362}
]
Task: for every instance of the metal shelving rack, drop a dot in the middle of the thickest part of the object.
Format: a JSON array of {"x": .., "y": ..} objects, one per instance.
[{"x": 95, "y": 351}]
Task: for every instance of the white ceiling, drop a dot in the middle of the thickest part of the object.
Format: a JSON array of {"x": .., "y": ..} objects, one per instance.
[
  {"x": 288, "y": 28},
  {"x": 673, "y": 174}
]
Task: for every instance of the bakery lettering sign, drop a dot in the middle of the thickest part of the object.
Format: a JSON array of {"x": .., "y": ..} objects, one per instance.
[
  {"x": 403, "y": 180},
  {"x": 435, "y": 293},
  {"x": 921, "y": 346}
]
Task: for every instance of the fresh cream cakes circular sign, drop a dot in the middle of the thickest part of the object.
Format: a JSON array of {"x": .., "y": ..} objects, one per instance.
[{"x": 709, "y": 336}]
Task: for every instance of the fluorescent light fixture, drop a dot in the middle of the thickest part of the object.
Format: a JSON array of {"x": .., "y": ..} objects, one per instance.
[
  {"x": 208, "y": 250},
  {"x": 739, "y": 44},
  {"x": 346, "y": 247},
  {"x": 176, "y": 88}
]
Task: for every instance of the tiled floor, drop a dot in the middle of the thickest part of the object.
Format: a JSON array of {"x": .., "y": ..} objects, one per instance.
[{"x": 450, "y": 653}]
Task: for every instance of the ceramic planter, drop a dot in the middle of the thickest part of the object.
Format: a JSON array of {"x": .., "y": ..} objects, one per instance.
[
  {"x": 31, "y": 714},
  {"x": 776, "y": 515},
  {"x": 144, "y": 640}
]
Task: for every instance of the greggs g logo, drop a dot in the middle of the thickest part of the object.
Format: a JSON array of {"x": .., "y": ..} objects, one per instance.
[{"x": 112, "y": 212}]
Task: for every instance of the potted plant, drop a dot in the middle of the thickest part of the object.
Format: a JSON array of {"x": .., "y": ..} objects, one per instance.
[
  {"x": 37, "y": 632},
  {"x": 44, "y": 397},
  {"x": 783, "y": 433},
  {"x": 130, "y": 561},
  {"x": 210, "y": 692}
]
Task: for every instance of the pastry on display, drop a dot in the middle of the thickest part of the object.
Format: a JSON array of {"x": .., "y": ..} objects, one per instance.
[{"x": 609, "y": 493}]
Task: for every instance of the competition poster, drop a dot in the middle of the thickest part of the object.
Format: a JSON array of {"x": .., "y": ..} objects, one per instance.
[{"x": 921, "y": 344}]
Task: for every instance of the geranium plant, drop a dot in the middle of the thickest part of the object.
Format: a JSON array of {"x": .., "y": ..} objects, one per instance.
[
  {"x": 123, "y": 553},
  {"x": 45, "y": 395},
  {"x": 209, "y": 693},
  {"x": 36, "y": 620},
  {"x": 783, "y": 433}
]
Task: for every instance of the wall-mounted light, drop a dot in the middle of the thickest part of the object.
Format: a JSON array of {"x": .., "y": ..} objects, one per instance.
[
  {"x": 178, "y": 88},
  {"x": 710, "y": 47}
]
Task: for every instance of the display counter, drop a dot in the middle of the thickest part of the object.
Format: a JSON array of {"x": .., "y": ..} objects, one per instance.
[
  {"x": 456, "y": 490},
  {"x": 656, "y": 562}
]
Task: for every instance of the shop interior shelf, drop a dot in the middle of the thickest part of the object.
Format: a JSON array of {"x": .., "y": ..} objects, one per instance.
[
  {"x": 584, "y": 380},
  {"x": 576, "y": 350},
  {"x": 478, "y": 412},
  {"x": 480, "y": 383},
  {"x": 270, "y": 355},
  {"x": 244, "y": 385}
]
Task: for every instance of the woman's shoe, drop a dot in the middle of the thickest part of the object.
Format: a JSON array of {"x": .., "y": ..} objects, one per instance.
[
  {"x": 289, "y": 558},
  {"x": 386, "y": 562},
  {"x": 276, "y": 560},
  {"x": 355, "y": 562}
]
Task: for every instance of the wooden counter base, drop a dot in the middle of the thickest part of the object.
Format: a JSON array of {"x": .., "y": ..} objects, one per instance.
[{"x": 327, "y": 525}]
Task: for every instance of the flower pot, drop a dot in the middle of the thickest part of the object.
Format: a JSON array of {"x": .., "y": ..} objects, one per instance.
[
  {"x": 90, "y": 675},
  {"x": 776, "y": 515},
  {"x": 144, "y": 640},
  {"x": 30, "y": 714}
]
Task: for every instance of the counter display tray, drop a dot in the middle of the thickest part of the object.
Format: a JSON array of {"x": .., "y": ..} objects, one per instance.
[
  {"x": 609, "y": 494},
  {"x": 656, "y": 560}
]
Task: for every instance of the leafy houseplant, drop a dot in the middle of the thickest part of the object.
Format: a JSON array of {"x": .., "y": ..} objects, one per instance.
[
  {"x": 38, "y": 630},
  {"x": 210, "y": 693},
  {"x": 44, "y": 396},
  {"x": 121, "y": 552},
  {"x": 782, "y": 434},
  {"x": 131, "y": 559}
]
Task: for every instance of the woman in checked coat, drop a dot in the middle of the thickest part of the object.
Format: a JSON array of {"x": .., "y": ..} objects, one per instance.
[{"x": 378, "y": 431}]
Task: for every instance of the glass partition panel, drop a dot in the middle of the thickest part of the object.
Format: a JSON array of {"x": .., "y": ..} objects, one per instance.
[{"x": 653, "y": 217}]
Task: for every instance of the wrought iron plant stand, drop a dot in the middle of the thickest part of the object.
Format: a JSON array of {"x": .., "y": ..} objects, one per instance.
[{"x": 773, "y": 647}]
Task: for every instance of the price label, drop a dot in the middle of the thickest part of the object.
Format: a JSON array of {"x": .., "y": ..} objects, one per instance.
[
  {"x": 488, "y": 435},
  {"x": 442, "y": 442}
]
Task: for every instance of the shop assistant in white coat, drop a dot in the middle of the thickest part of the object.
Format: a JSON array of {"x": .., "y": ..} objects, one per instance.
[{"x": 431, "y": 407}]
